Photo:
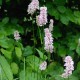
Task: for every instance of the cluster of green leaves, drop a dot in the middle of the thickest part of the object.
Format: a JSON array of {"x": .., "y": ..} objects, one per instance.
[{"x": 20, "y": 60}]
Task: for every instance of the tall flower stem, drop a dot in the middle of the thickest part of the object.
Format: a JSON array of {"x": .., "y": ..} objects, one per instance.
[
  {"x": 49, "y": 56},
  {"x": 40, "y": 35},
  {"x": 33, "y": 44},
  {"x": 68, "y": 77}
]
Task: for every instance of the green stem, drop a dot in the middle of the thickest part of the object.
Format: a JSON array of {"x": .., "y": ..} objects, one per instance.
[
  {"x": 24, "y": 69},
  {"x": 40, "y": 34},
  {"x": 33, "y": 45},
  {"x": 68, "y": 77},
  {"x": 49, "y": 55}
]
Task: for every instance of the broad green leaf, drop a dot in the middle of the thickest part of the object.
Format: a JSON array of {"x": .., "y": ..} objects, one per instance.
[
  {"x": 54, "y": 68},
  {"x": 22, "y": 75},
  {"x": 4, "y": 43},
  {"x": 78, "y": 20},
  {"x": 61, "y": 9},
  {"x": 29, "y": 74},
  {"x": 62, "y": 51},
  {"x": 64, "y": 19},
  {"x": 70, "y": 15},
  {"x": 57, "y": 32},
  {"x": 33, "y": 62},
  {"x": 42, "y": 56},
  {"x": 28, "y": 51},
  {"x": 72, "y": 77},
  {"x": 19, "y": 44},
  {"x": 2, "y": 33},
  {"x": 52, "y": 10},
  {"x": 78, "y": 50},
  {"x": 32, "y": 75},
  {"x": 59, "y": 2},
  {"x": 78, "y": 66},
  {"x": 18, "y": 52},
  {"x": 72, "y": 45},
  {"x": 5, "y": 20},
  {"x": 77, "y": 14},
  {"x": 14, "y": 68},
  {"x": 6, "y": 68},
  {"x": 6, "y": 53}
]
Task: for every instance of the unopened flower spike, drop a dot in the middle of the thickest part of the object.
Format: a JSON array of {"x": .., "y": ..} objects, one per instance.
[{"x": 51, "y": 25}]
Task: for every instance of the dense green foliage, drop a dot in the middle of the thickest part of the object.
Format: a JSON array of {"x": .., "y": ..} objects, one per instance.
[{"x": 20, "y": 60}]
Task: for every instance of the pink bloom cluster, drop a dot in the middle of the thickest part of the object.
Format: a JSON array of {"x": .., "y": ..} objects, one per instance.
[
  {"x": 69, "y": 64},
  {"x": 43, "y": 65},
  {"x": 33, "y": 6},
  {"x": 48, "y": 40},
  {"x": 41, "y": 19},
  {"x": 51, "y": 25},
  {"x": 16, "y": 35}
]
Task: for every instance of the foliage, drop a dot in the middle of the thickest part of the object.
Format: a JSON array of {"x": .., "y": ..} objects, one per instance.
[{"x": 20, "y": 60}]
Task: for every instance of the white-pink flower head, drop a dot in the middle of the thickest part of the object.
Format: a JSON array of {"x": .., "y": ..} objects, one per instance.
[
  {"x": 48, "y": 40},
  {"x": 16, "y": 35},
  {"x": 33, "y": 6},
  {"x": 41, "y": 19},
  {"x": 69, "y": 64},
  {"x": 43, "y": 65},
  {"x": 51, "y": 25}
]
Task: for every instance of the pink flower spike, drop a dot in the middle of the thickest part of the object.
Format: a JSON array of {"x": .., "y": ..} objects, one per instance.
[
  {"x": 41, "y": 19},
  {"x": 48, "y": 41},
  {"x": 33, "y": 6},
  {"x": 16, "y": 35},
  {"x": 69, "y": 64}
]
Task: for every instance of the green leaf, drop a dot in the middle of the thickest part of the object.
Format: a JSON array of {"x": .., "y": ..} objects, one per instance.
[
  {"x": 52, "y": 10},
  {"x": 2, "y": 33},
  {"x": 22, "y": 75},
  {"x": 72, "y": 45},
  {"x": 6, "y": 68},
  {"x": 5, "y": 20},
  {"x": 42, "y": 56},
  {"x": 32, "y": 75},
  {"x": 62, "y": 51},
  {"x": 78, "y": 50},
  {"x": 57, "y": 32},
  {"x": 4, "y": 43},
  {"x": 78, "y": 20},
  {"x": 64, "y": 19},
  {"x": 0, "y": 2},
  {"x": 18, "y": 52},
  {"x": 14, "y": 68},
  {"x": 54, "y": 68},
  {"x": 78, "y": 66},
  {"x": 72, "y": 77},
  {"x": 28, "y": 76},
  {"x": 59, "y": 2},
  {"x": 77, "y": 14},
  {"x": 28, "y": 51},
  {"x": 33, "y": 62},
  {"x": 61, "y": 9},
  {"x": 6, "y": 53}
]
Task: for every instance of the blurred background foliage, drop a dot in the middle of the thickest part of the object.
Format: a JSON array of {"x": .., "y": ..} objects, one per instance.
[{"x": 19, "y": 60}]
